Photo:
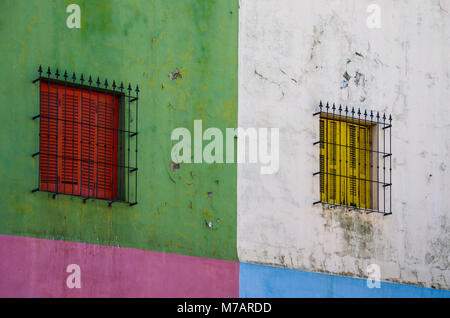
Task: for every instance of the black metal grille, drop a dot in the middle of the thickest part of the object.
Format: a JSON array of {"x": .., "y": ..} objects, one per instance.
[
  {"x": 88, "y": 138},
  {"x": 355, "y": 158}
]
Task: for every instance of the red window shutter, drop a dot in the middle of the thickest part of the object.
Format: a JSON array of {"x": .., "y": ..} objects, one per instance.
[
  {"x": 78, "y": 141},
  {"x": 107, "y": 146},
  {"x": 88, "y": 137},
  {"x": 68, "y": 160},
  {"x": 48, "y": 138}
]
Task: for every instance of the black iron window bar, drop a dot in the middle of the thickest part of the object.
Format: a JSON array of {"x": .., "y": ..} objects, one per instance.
[
  {"x": 380, "y": 149},
  {"x": 126, "y": 133}
]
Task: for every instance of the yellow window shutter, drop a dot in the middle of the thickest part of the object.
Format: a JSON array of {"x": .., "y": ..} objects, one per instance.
[
  {"x": 332, "y": 161},
  {"x": 352, "y": 165},
  {"x": 322, "y": 161},
  {"x": 342, "y": 168},
  {"x": 367, "y": 169},
  {"x": 364, "y": 167},
  {"x": 345, "y": 163}
]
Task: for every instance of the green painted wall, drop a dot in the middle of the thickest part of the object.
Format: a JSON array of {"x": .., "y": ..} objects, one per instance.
[{"x": 139, "y": 42}]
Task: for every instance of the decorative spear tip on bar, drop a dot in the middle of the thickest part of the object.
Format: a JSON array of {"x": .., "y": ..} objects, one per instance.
[
  {"x": 379, "y": 116},
  {"x": 91, "y": 80}
]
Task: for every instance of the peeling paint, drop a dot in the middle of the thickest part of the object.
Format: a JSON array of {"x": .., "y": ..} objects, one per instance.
[
  {"x": 338, "y": 59},
  {"x": 165, "y": 47}
]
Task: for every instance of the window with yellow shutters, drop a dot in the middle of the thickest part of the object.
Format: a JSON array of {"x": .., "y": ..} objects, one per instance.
[{"x": 355, "y": 156}]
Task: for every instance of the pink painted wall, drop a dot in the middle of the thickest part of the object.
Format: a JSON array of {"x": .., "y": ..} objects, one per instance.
[{"x": 37, "y": 268}]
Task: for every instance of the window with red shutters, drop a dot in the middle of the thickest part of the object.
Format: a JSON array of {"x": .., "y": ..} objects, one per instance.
[
  {"x": 88, "y": 138},
  {"x": 78, "y": 141}
]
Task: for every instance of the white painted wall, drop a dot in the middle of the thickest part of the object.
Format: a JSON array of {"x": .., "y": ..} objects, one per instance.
[{"x": 293, "y": 54}]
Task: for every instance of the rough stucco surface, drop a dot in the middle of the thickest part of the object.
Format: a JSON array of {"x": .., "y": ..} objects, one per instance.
[
  {"x": 141, "y": 42},
  {"x": 293, "y": 54}
]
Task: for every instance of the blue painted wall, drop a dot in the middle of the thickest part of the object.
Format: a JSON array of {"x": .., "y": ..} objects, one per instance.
[{"x": 266, "y": 281}]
